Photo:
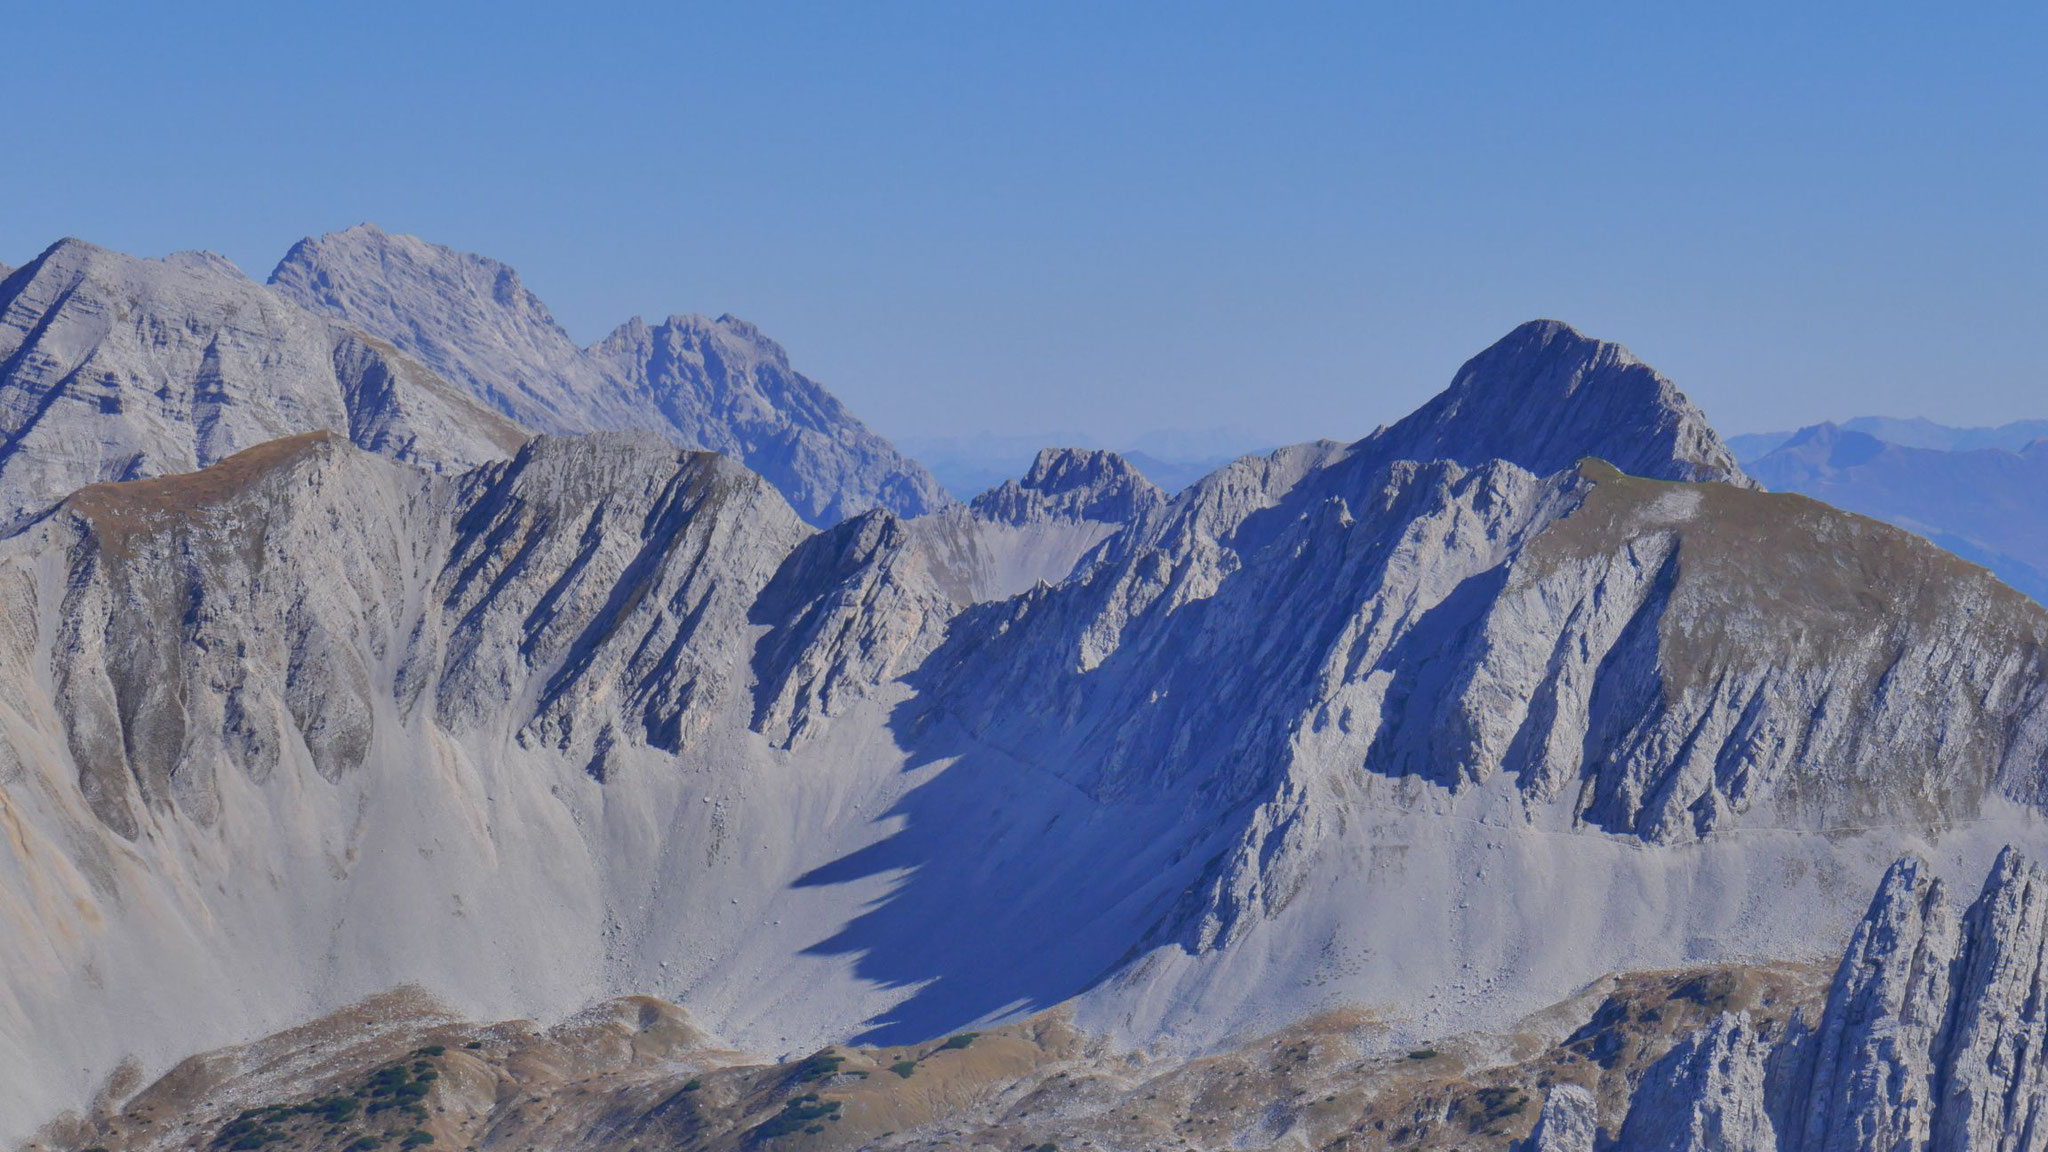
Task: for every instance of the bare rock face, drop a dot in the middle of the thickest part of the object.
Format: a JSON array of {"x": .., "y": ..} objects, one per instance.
[
  {"x": 718, "y": 385},
  {"x": 721, "y": 384},
  {"x": 1872, "y": 1084},
  {"x": 1931, "y": 1035},
  {"x": 468, "y": 317},
  {"x": 607, "y": 579},
  {"x": 1036, "y": 530},
  {"x": 170, "y": 668},
  {"x": 853, "y": 607},
  {"x": 114, "y": 368},
  {"x": 1587, "y": 636},
  {"x": 1071, "y": 484},
  {"x": 1568, "y": 1122},
  {"x": 1707, "y": 1094},
  {"x": 1992, "y": 1080}
]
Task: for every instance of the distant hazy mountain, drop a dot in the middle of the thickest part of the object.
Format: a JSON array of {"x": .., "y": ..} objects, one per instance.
[
  {"x": 1914, "y": 433},
  {"x": 702, "y": 383},
  {"x": 1987, "y": 505}
]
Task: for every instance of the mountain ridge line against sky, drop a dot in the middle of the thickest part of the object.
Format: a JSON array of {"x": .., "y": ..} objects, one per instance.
[{"x": 1293, "y": 225}]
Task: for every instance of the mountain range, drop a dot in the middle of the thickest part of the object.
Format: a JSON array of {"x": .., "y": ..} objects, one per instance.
[
  {"x": 1522, "y": 771},
  {"x": 1983, "y": 497},
  {"x": 1917, "y": 432},
  {"x": 116, "y": 368},
  {"x": 716, "y": 384}
]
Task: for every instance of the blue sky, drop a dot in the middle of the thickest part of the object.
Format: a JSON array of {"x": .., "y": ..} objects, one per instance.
[{"x": 1288, "y": 220}]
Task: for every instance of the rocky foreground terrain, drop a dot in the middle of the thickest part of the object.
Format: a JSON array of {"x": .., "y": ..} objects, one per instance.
[
  {"x": 1520, "y": 760},
  {"x": 1926, "y": 1036}
]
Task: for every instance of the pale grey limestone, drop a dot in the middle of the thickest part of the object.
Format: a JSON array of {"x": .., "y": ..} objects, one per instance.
[
  {"x": 702, "y": 383},
  {"x": 608, "y": 714},
  {"x": 114, "y": 368},
  {"x": 1568, "y": 1123}
]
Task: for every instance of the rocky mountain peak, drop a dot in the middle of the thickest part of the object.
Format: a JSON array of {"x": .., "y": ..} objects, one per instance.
[
  {"x": 1072, "y": 484},
  {"x": 1545, "y": 395},
  {"x": 715, "y": 384},
  {"x": 723, "y": 385},
  {"x": 1823, "y": 446},
  {"x": 466, "y": 316},
  {"x": 736, "y": 342},
  {"x": 118, "y": 368}
]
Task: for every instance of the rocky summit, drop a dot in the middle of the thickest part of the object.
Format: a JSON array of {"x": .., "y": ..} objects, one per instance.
[
  {"x": 114, "y": 368},
  {"x": 1516, "y": 775},
  {"x": 702, "y": 383}
]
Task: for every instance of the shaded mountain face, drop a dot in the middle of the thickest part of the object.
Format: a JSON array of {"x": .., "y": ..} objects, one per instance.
[
  {"x": 1436, "y": 738},
  {"x": 113, "y": 368},
  {"x": 1544, "y": 396},
  {"x": 1987, "y": 505},
  {"x": 711, "y": 384}
]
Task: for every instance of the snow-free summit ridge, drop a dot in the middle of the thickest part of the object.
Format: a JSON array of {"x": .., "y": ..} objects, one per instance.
[
  {"x": 716, "y": 384},
  {"x": 1440, "y": 726}
]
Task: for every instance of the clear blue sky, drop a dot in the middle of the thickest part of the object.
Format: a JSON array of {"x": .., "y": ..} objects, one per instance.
[{"x": 1294, "y": 220}]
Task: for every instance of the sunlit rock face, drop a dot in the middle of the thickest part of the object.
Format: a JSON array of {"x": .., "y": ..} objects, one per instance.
[
  {"x": 114, "y": 368},
  {"x": 1439, "y": 734},
  {"x": 714, "y": 384}
]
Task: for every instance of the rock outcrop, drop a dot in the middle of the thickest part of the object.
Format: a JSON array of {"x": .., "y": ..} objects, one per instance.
[
  {"x": 1929, "y": 1041},
  {"x": 1036, "y": 530},
  {"x": 1072, "y": 484},
  {"x": 1568, "y": 1122},
  {"x": 1707, "y": 1094},
  {"x": 718, "y": 385}
]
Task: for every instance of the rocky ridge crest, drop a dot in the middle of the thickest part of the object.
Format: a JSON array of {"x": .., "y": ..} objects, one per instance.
[
  {"x": 719, "y": 385},
  {"x": 116, "y": 368}
]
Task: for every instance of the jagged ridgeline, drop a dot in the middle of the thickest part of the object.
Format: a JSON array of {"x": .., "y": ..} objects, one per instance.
[
  {"x": 714, "y": 384},
  {"x": 1439, "y": 726},
  {"x": 116, "y": 368}
]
